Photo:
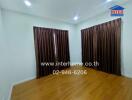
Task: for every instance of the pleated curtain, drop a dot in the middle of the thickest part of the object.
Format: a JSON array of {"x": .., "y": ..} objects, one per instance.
[
  {"x": 51, "y": 46},
  {"x": 62, "y": 42},
  {"x": 101, "y": 43}
]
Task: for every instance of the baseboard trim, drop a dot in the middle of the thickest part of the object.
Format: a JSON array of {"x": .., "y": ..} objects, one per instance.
[
  {"x": 16, "y": 83},
  {"x": 10, "y": 92},
  {"x": 126, "y": 75}
]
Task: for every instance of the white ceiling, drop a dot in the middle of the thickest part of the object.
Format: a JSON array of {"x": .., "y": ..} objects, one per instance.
[{"x": 61, "y": 10}]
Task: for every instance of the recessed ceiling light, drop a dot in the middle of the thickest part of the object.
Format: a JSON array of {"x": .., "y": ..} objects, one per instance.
[
  {"x": 75, "y": 18},
  {"x": 27, "y": 3},
  {"x": 108, "y": 0}
]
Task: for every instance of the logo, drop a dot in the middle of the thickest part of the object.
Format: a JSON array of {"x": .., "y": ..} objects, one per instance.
[{"x": 117, "y": 11}]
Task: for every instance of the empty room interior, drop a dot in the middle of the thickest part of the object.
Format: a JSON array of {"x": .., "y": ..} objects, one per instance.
[{"x": 65, "y": 49}]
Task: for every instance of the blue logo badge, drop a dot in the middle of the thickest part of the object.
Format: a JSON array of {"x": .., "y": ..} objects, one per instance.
[{"x": 117, "y": 10}]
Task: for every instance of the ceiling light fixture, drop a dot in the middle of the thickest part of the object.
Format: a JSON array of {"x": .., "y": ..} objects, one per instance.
[
  {"x": 27, "y": 3},
  {"x": 75, "y": 18},
  {"x": 108, "y": 0}
]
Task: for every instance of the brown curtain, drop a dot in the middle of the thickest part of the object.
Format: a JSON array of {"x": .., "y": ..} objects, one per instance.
[
  {"x": 44, "y": 47},
  {"x": 51, "y": 46},
  {"x": 62, "y": 42},
  {"x": 87, "y": 46},
  {"x": 101, "y": 43}
]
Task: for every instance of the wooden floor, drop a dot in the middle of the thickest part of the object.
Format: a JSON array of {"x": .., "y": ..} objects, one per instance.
[{"x": 95, "y": 85}]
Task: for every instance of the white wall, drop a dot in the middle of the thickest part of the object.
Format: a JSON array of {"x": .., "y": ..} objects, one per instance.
[
  {"x": 2, "y": 59},
  {"x": 76, "y": 41},
  {"x": 126, "y": 36},
  {"x": 20, "y": 59},
  {"x": 1, "y": 41}
]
